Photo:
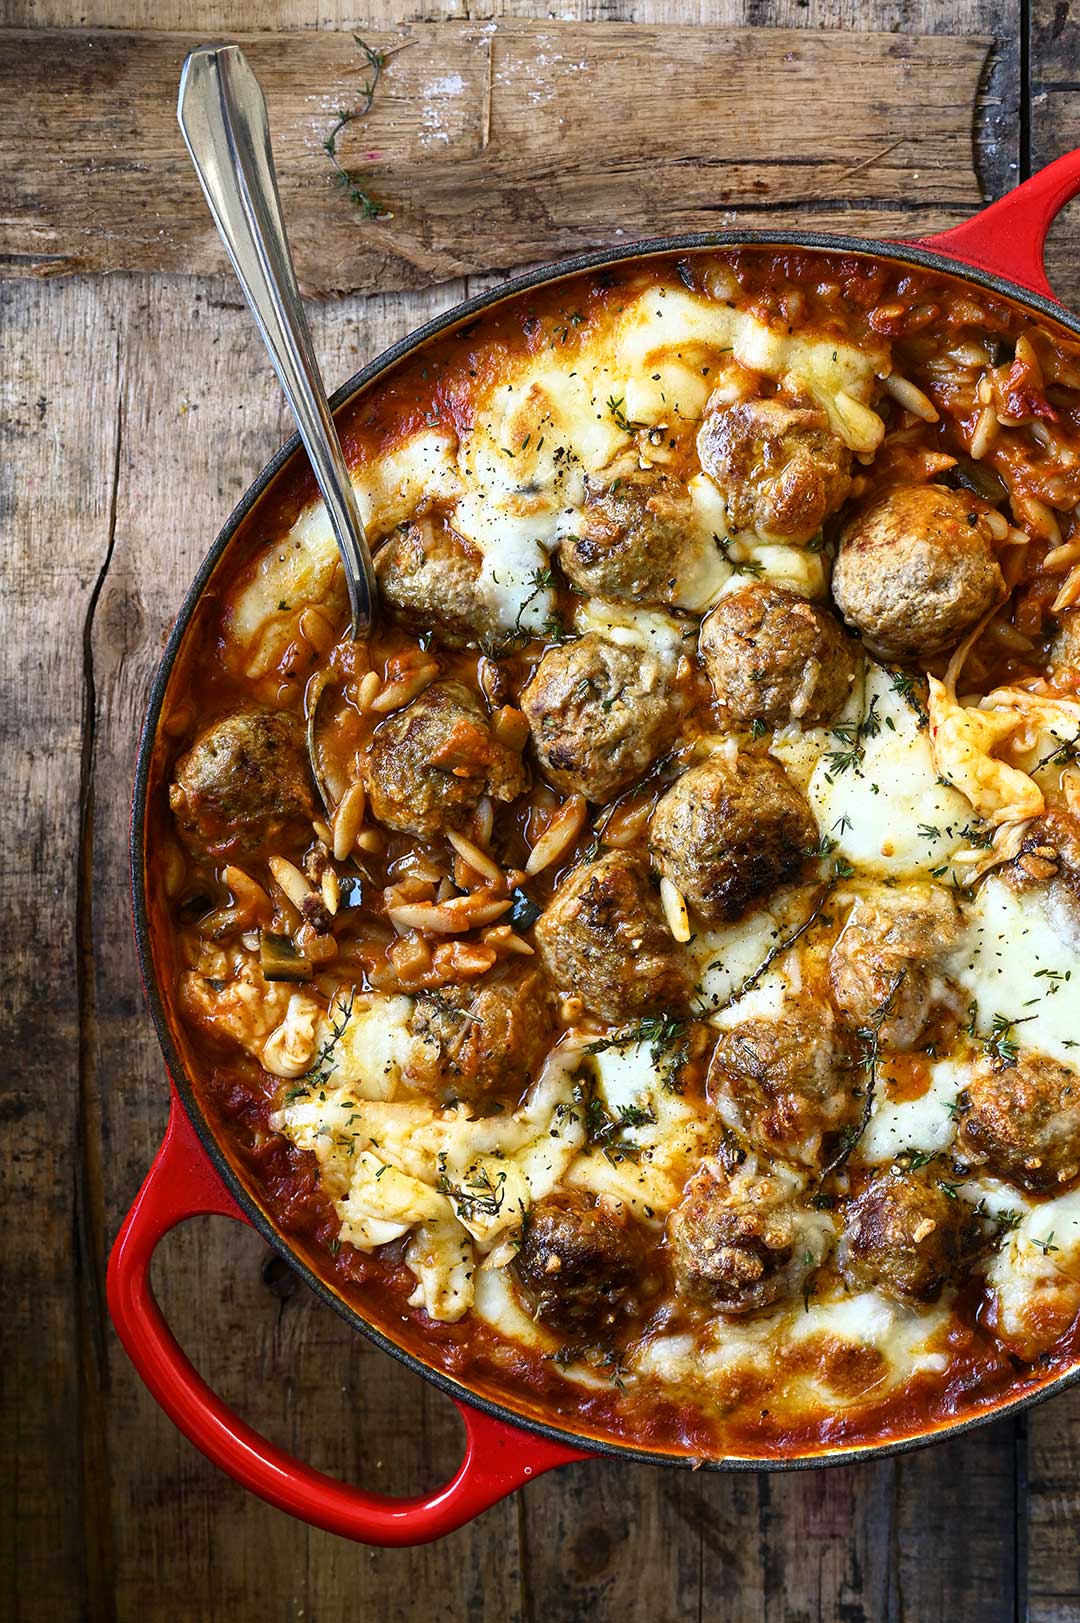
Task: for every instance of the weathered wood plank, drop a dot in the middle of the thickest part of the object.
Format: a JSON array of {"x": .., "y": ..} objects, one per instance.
[
  {"x": 927, "y": 1535},
  {"x": 491, "y": 144},
  {"x": 186, "y": 1542},
  {"x": 1054, "y": 126},
  {"x": 1053, "y": 1512},
  {"x": 173, "y": 1538},
  {"x": 57, "y": 490},
  {"x": 1051, "y": 1575}
]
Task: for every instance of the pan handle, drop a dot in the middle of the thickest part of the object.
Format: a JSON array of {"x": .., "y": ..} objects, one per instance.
[
  {"x": 1007, "y": 239},
  {"x": 498, "y": 1457}
]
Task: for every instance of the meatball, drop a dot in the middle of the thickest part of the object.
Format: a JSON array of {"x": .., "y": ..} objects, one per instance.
[
  {"x": 1021, "y": 1122},
  {"x": 484, "y": 1040},
  {"x": 883, "y": 964},
  {"x": 600, "y": 714},
  {"x": 429, "y": 576},
  {"x": 637, "y": 539},
  {"x": 785, "y": 1082},
  {"x": 730, "y": 831},
  {"x": 778, "y": 464},
  {"x": 906, "y": 1237},
  {"x": 772, "y": 656},
  {"x": 741, "y": 1241},
  {"x": 581, "y": 1262},
  {"x": 916, "y": 569},
  {"x": 243, "y": 785},
  {"x": 603, "y": 937},
  {"x": 428, "y": 766}
]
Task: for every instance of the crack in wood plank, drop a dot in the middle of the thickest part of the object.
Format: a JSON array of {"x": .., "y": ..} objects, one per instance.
[
  {"x": 89, "y": 1199},
  {"x": 493, "y": 144}
]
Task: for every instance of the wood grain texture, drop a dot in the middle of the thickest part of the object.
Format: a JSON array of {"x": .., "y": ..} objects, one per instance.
[
  {"x": 135, "y": 410},
  {"x": 1054, "y": 124},
  {"x": 499, "y": 143},
  {"x": 1050, "y": 1550}
]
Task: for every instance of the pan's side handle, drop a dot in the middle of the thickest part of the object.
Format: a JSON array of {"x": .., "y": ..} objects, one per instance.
[
  {"x": 1007, "y": 239},
  {"x": 498, "y": 1457}
]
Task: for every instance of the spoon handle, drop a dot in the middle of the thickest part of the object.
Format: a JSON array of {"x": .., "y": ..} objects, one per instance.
[{"x": 223, "y": 118}]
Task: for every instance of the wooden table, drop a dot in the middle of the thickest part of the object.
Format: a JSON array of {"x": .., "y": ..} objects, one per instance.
[{"x": 136, "y": 408}]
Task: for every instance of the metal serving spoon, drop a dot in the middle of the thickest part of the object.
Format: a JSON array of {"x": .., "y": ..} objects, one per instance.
[{"x": 222, "y": 115}]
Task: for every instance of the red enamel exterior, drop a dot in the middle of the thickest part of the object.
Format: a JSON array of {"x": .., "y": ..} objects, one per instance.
[
  {"x": 1006, "y": 240},
  {"x": 498, "y": 1458}
]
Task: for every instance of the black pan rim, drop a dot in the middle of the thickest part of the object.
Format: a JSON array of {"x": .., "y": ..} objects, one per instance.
[{"x": 458, "y": 315}]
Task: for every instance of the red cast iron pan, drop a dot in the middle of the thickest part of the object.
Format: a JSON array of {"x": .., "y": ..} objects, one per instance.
[{"x": 1000, "y": 249}]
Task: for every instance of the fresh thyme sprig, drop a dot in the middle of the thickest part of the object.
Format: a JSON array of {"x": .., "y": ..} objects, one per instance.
[
  {"x": 661, "y": 1031},
  {"x": 479, "y": 1195},
  {"x": 739, "y": 566},
  {"x": 669, "y": 1047},
  {"x": 850, "y": 736},
  {"x": 324, "y": 1063},
  {"x": 776, "y": 950},
  {"x": 870, "y": 1038},
  {"x": 1001, "y": 1045},
  {"x": 1067, "y": 751},
  {"x": 618, "y": 414},
  {"x": 376, "y": 61}
]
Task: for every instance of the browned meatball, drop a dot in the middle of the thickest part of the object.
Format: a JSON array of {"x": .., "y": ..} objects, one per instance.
[
  {"x": 637, "y": 538},
  {"x": 778, "y": 464},
  {"x": 600, "y": 715},
  {"x": 906, "y": 1236},
  {"x": 1021, "y": 1122},
  {"x": 582, "y": 1263},
  {"x": 741, "y": 1241},
  {"x": 428, "y": 574},
  {"x": 482, "y": 1041},
  {"x": 603, "y": 938},
  {"x": 785, "y": 1082},
  {"x": 428, "y": 766},
  {"x": 730, "y": 831},
  {"x": 916, "y": 570},
  {"x": 883, "y": 965},
  {"x": 243, "y": 785},
  {"x": 772, "y": 656}
]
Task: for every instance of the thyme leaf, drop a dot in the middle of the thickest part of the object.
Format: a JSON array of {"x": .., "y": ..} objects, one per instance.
[
  {"x": 870, "y": 1038},
  {"x": 370, "y": 207}
]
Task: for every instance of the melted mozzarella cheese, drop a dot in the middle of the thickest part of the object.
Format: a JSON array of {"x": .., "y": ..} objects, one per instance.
[
  {"x": 372, "y": 1046},
  {"x": 441, "y": 1256},
  {"x": 1035, "y": 1277},
  {"x": 924, "y": 1124},
  {"x": 651, "y": 630},
  {"x": 726, "y": 957},
  {"x": 907, "y": 1340},
  {"x": 887, "y": 812},
  {"x": 668, "y": 341},
  {"x": 383, "y": 1202},
  {"x": 303, "y": 569},
  {"x": 1015, "y": 965}
]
